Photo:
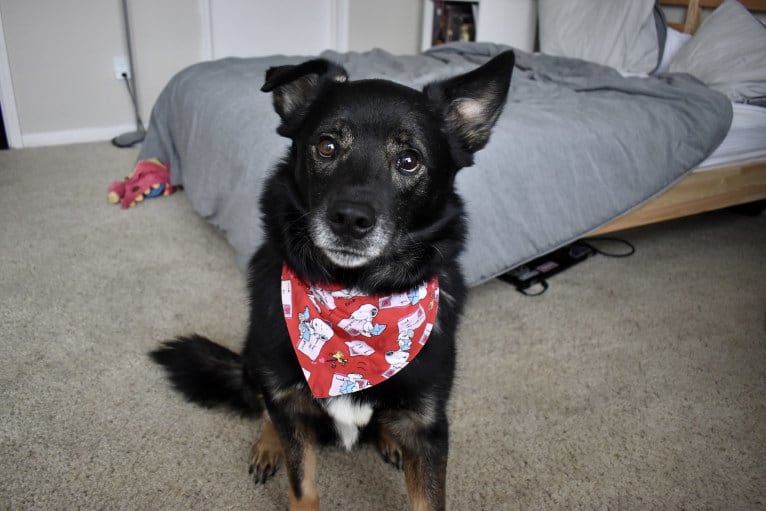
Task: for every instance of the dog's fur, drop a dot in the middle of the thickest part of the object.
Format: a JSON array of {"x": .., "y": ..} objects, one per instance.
[{"x": 365, "y": 198}]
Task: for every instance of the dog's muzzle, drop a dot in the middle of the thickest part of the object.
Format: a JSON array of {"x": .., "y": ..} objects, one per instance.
[
  {"x": 350, "y": 232},
  {"x": 351, "y": 219}
]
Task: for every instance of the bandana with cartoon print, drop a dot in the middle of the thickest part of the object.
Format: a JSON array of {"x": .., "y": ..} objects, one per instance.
[{"x": 345, "y": 341}]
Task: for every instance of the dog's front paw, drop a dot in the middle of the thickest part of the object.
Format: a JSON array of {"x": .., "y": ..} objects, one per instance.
[
  {"x": 265, "y": 455},
  {"x": 390, "y": 450}
]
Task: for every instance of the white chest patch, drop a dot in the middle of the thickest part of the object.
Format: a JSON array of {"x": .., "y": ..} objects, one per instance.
[{"x": 349, "y": 417}]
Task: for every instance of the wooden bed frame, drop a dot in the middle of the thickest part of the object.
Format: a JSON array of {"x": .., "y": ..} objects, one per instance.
[{"x": 706, "y": 190}]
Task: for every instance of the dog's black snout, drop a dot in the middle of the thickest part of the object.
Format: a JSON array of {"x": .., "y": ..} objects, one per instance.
[{"x": 351, "y": 218}]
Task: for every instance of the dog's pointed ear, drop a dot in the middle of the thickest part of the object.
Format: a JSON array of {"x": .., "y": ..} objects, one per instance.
[
  {"x": 295, "y": 87},
  {"x": 470, "y": 104}
]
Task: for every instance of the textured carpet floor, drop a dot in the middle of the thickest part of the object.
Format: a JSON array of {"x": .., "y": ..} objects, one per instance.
[{"x": 634, "y": 383}]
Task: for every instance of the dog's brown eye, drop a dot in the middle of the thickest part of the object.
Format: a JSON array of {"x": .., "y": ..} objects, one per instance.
[
  {"x": 407, "y": 161},
  {"x": 326, "y": 147}
]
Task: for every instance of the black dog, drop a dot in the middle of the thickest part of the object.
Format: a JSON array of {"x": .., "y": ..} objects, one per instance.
[{"x": 363, "y": 207}]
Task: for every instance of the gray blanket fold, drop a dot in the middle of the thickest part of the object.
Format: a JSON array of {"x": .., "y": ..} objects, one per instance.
[{"x": 576, "y": 146}]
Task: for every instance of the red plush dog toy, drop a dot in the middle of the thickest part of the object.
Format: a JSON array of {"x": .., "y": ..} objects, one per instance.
[{"x": 150, "y": 178}]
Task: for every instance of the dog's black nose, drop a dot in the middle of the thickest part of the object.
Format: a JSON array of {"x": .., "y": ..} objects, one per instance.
[{"x": 348, "y": 218}]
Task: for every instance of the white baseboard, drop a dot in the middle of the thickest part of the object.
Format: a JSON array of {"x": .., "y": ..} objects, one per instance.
[{"x": 74, "y": 136}]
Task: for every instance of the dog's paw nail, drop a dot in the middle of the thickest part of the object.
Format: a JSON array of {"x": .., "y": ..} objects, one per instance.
[
  {"x": 391, "y": 454},
  {"x": 263, "y": 473}
]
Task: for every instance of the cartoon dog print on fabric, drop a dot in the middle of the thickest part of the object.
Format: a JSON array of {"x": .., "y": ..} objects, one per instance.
[{"x": 314, "y": 334}]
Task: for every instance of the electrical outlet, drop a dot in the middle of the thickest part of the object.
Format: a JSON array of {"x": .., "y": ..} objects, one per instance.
[{"x": 120, "y": 66}]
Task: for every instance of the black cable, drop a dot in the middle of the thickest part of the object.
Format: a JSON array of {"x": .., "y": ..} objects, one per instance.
[
  {"x": 589, "y": 243},
  {"x": 543, "y": 284},
  {"x": 535, "y": 273}
]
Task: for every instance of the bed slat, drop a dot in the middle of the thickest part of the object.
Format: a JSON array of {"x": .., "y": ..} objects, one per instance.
[
  {"x": 752, "y": 5},
  {"x": 693, "y": 10},
  {"x": 696, "y": 193}
]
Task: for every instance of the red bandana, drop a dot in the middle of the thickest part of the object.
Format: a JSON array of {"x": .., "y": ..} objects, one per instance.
[{"x": 346, "y": 341}]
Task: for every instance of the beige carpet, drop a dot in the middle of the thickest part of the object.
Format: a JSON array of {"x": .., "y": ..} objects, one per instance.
[{"x": 634, "y": 383}]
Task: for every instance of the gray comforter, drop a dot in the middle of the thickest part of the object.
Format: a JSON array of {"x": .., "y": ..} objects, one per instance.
[{"x": 576, "y": 146}]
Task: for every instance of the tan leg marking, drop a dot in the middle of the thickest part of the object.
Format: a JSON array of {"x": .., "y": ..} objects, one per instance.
[
  {"x": 416, "y": 485},
  {"x": 266, "y": 454},
  {"x": 309, "y": 500}
]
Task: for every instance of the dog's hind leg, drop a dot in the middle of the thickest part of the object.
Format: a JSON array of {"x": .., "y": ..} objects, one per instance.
[
  {"x": 424, "y": 451},
  {"x": 266, "y": 454},
  {"x": 297, "y": 445},
  {"x": 390, "y": 449},
  {"x": 425, "y": 471}
]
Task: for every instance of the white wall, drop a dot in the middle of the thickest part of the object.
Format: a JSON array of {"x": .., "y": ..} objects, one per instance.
[
  {"x": 167, "y": 37},
  {"x": 243, "y": 28},
  {"x": 59, "y": 55},
  {"x": 393, "y": 25},
  {"x": 60, "y": 59},
  {"x": 52, "y": 57}
]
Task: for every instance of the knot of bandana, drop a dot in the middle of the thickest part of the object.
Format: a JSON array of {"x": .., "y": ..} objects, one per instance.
[{"x": 346, "y": 341}]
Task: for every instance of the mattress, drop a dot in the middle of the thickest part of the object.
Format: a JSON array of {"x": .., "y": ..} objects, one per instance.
[
  {"x": 546, "y": 177},
  {"x": 744, "y": 143}
]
